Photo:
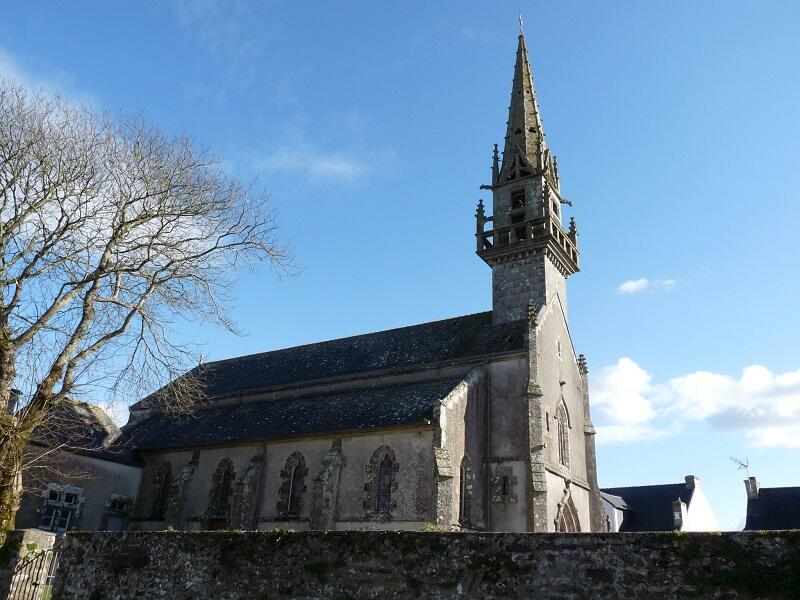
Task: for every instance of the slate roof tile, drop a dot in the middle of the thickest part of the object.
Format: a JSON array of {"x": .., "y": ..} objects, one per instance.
[
  {"x": 407, "y": 347},
  {"x": 775, "y": 508},
  {"x": 385, "y": 406}
]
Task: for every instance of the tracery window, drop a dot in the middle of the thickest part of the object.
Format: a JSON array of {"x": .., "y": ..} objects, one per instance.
[
  {"x": 381, "y": 483},
  {"x": 293, "y": 486},
  {"x": 563, "y": 434},
  {"x": 162, "y": 483}
]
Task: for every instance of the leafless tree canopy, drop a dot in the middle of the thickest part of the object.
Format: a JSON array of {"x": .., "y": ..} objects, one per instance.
[{"x": 109, "y": 230}]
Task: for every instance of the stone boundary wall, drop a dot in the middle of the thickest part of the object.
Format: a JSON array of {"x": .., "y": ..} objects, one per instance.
[{"x": 361, "y": 565}]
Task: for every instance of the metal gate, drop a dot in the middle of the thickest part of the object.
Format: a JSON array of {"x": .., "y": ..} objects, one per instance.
[{"x": 33, "y": 576}]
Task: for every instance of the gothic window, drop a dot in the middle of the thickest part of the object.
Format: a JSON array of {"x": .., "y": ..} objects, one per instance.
[
  {"x": 562, "y": 418},
  {"x": 219, "y": 499},
  {"x": 381, "y": 483},
  {"x": 162, "y": 483},
  {"x": 293, "y": 486},
  {"x": 385, "y": 476},
  {"x": 465, "y": 491}
]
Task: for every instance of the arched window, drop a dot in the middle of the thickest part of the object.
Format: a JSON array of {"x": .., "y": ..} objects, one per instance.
[
  {"x": 464, "y": 491},
  {"x": 381, "y": 483},
  {"x": 385, "y": 476},
  {"x": 563, "y": 434},
  {"x": 219, "y": 500},
  {"x": 162, "y": 483},
  {"x": 290, "y": 503}
]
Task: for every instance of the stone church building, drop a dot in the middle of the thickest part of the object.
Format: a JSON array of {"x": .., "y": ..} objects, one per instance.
[{"x": 476, "y": 422}]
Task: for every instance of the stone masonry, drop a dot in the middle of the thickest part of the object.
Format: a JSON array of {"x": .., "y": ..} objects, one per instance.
[{"x": 360, "y": 565}]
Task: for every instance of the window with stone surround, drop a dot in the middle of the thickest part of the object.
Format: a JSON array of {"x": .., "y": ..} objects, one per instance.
[
  {"x": 562, "y": 418},
  {"x": 162, "y": 485},
  {"x": 61, "y": 507},
  {"x": 293, "y": 475},
  {"x": 381, "y": 483}
]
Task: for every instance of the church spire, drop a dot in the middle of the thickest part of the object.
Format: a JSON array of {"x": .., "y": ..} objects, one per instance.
[
  {"x": 525, "y": 152},
  {"x": 527, "y": 247}
]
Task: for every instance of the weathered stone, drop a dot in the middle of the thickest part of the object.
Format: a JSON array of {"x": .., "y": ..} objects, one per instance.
[{"x": 363, "y": 564}]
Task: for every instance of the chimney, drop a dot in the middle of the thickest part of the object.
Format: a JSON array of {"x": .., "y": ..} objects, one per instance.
[
  {"x": 691, "y": 481},
  {"x": 678, "y": 513},
  {"x": 752, "y": 486}
]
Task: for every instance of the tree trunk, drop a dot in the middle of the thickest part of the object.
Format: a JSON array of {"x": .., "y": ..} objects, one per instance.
[
  {"x": 12, "y": 440},
  {"x": 12, "y": 446}
]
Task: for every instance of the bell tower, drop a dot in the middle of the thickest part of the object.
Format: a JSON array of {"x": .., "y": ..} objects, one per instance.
[{"x": 524, "y": 241}]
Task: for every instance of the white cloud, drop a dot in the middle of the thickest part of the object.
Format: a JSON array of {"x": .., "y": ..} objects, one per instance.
[
  {"x": 338, "y": 150},
  {"x": 632, "y": 286},
  {"x": 761, "y": 405},
  {"x": 635, "y": 286},
  {"x": 41, "y": 79},
  {"x": 313, "y": 162}
]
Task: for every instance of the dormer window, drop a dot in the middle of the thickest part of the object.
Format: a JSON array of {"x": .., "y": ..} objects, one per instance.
[{"x": 517, "y": 199}]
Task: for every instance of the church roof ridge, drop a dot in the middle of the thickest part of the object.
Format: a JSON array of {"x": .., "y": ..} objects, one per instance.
[
  {"x": 634, "y": 487},
  {"x": 345, "y": 338},
  {"x": 408, "y": 347}
]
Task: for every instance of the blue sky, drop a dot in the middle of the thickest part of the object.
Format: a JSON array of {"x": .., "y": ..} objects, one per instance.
[{"x": 370, "y": 124}]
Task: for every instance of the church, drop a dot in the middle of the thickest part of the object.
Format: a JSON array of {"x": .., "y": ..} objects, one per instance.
[{"x": 478, "y": 422}]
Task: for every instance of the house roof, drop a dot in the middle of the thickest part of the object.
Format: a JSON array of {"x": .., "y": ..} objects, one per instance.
[
  {"x": 650, "y": 506},
  {"x": 615, "y": 501},
  {"x": 407, "y": 347},
  {"x": 775, "y": 508},
  {"x": 81, "y": 428},
  {"x": 354, "y": 409}
]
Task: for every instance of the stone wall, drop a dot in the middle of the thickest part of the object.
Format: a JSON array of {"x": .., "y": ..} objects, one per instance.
[{"x": 342, "y": 565}]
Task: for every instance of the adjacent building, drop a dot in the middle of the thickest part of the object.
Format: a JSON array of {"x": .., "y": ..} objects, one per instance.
[
  {"x": 76, "y": 478},
  {"x": 771, "y": 508},
  {"x": 666, "y": 507}
]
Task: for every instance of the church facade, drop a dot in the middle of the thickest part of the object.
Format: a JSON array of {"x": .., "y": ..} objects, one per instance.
[{"x": 479, "y": 422}]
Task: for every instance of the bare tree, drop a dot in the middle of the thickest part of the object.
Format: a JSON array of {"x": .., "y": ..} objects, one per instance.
[{"x": 109, "y": 231}]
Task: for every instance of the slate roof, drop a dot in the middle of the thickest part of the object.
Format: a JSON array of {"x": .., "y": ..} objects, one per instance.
[
  {"x": 615, "y": 501},
  {"x": 407, "y": 347},
  {"x": 386, "y": 406},
  {"x": 650, "y": 506},
  {"x": 775, "y": 508},
  {"x": 76, "y": 425},
  {"x": 81, "y": 428}
]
